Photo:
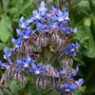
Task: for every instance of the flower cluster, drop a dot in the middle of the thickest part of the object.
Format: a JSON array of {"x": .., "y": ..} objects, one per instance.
[{"x": 44, "y": 39}]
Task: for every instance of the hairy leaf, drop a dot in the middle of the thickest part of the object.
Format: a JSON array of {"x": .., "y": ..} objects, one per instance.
[{"x": 5, "y": 28}]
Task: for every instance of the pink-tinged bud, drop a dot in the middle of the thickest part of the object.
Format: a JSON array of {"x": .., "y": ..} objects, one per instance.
[
  {"x": 10, "y": 71},
  {"x": 42, "y": 41},
  {"x": 41, "y": 83},
  {"x": 20, "y": 79},
  {"x": 50, "y": 70},
  {"x": 56, "y": 39}
]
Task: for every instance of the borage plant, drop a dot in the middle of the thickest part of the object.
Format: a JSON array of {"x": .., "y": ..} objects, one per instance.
[{"x": 44, "y": 49}]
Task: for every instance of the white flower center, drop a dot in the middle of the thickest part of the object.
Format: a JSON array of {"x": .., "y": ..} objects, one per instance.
[
  {"x": 26, "y": 37},
  {"x": 23, "y": 25},
  {"x": 67, "y": 18},
  {"x": 37, "y": 17},
  {"x": 5, "y": 57},
  {"x": 60, "y": 19},
  {"x": 37, "y": 72},
  {"x": 72, "y": 50},
  {"x": 26, "y": 65}
]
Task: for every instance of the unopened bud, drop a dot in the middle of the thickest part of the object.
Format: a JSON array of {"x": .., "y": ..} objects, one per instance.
[
  {"x": 41, "y": 83},
  {"x": 50, "y": 70}
]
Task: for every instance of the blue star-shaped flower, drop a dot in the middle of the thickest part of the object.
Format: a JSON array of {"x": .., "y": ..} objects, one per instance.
[
  {"x": 24, "y": 64},
  {"x": 66, "y": 30},
  {"x": 68, "y": 88},
  {"x": 71, "y": 49},
  {"x": 17, "y": 42},
  {"x": 37, "y": 70},
  {"x": 36, "y": 15},
  {"x": 22, "y": 23},
  {"x": 72, "y": 74},
  {"x": 26, "y": 33},
  {"x": 62, "y": 16},
  {"x": 62, "y": 72}
]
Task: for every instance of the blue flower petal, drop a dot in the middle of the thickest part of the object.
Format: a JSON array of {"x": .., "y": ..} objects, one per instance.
[
  {"x": 22, "y": 23},
  {"x": 41, "y": 68},
  {"x": 30, "y": 20},
  {"x": 80, "y": 81},
  {"x": 0, "y": 63},
  {"x": 36, "y": 15},
  {"x": 53, "y": 9},
  {"x": 19, "y": 32},
  {"x": 73, "y": 87},
  {"x": 28, "y": 59},
  {"x": 34, "y": 66},
  {"x": 40, "y": 27},
  {"x": 66, "y": 16},
  {"x": 20, "y": 62}
]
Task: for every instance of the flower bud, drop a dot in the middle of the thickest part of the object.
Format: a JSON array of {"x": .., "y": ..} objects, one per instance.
[
  {"x": 10, "y": 71},
  {"x": 42, "y": 41},
  {"x": 41, "y": 83},
  {"x": 56, "y": 39},
  {"x": 50, "y": 70},
  {"x": 20, "y": 79}
]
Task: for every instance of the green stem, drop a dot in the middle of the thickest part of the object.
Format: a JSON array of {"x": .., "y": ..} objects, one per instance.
[
  {"x": 58, "y": 49},
  {"x": 48, "y": 91}
]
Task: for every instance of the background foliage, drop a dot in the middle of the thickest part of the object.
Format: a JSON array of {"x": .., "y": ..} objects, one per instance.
[{"x": 82, "y": 14}]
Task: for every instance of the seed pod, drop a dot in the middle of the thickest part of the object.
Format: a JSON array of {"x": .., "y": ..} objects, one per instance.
[
  {"x": 50, "y": 70},
  {"x": 41, "y": 83},
  {"x": 68, "y": 62}
]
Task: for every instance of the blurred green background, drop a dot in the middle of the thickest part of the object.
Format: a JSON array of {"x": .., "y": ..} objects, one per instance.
[{"x": 82, "y": 15}]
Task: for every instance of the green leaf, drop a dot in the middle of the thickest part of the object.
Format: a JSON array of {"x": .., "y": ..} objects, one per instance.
[
  {"x": 84, "y": 4},
  {"x": 25, "y": 6},
  {"x": 55, "y": 92},
  {"x": 80, "y": 91},
  {"x": 14, "y": 87},
  {"x": 92, "y": 4},
  {"x": 84, "y": 36},
  {"x": 6, "y": 92},
  {"x": 93, "y": 25},
  {"x": 5, "y": 28},
  {"x": 87, "y": 22},
  {"x": 2, "y": 46},
  {"x": 90, "y": 52},
  {"x": 6, "y": 5},
  {"x": 13, "y": 11}
]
